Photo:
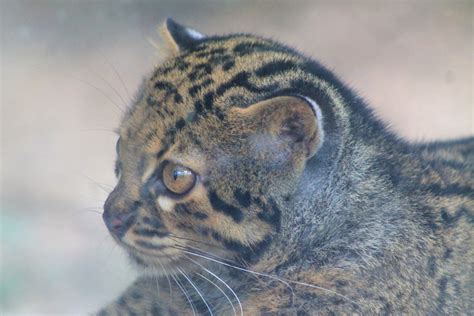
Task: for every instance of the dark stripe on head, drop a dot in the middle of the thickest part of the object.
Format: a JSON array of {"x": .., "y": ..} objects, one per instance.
[
  {"x": 169, "y": 89},
  {"x": 221, "y": 206},
  {"x": 275, "y": 67},
  {"x": 228, "y": 65},
  {"x": 247, "y": 48},
  {"x": 200, "y": 71},
  {"x": 196, "y": 88},
  {"x": 211, "y": 52},
  {"x": 242, "y": 80}
]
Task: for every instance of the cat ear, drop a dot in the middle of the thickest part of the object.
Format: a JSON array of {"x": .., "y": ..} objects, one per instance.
[
  {"x": 178, "y": 37},
  {"x": 295, "y": 120}
]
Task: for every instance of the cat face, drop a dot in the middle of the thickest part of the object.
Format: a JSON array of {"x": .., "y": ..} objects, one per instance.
[{"x": 210, "y": 146}]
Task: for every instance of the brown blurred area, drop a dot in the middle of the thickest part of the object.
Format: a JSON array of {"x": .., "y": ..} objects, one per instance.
[{"x": 61, "y": 97}]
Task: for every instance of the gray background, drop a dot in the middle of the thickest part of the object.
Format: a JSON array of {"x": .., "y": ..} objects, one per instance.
[{"x": 411, "y": 60}]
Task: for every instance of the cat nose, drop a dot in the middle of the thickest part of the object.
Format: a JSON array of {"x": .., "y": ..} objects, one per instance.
[{"x": 118, "y": 222}]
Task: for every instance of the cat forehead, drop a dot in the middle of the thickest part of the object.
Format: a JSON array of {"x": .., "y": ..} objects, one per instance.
[{"x": 217, "y": 74}]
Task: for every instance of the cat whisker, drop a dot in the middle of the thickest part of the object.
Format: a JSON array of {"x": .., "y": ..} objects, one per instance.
[
  {"x": 100, "y": 185},
  {"x": 98, "y": 90},
  {"x": 284, "y": 281},
  {"x": 222, "y": 281},
  {"x": 156, "y": 278},
  {"x": 167, "y": 277},
  {"x": 197, "y": 241},
  {"x": 107, "y": 61},
  {"x": 197, "y": 290},
  {"x": 245, "y": 270},
  {"x": 221, "y": 290},
  {"x": 89, "y": 210},
  {"x": 200, "y": 250},
  {"x": 109, "y": 85},
  {"x": 185, "y": 294}
]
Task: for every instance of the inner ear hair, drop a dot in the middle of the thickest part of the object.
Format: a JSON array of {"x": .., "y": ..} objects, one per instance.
[{"x": 295, "y": 119}]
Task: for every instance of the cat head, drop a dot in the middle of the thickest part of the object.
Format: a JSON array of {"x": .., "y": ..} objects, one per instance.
[{"x": 220, "y": 133}]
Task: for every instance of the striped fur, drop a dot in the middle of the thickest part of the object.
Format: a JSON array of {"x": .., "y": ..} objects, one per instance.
[{"x": 295, "y": 179}]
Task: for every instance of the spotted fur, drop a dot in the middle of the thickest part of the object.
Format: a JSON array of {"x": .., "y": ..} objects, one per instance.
[{"x": 297, "y": 181}]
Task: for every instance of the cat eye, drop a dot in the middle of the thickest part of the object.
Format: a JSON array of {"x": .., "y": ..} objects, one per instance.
[{"x": 178, "y": 179}]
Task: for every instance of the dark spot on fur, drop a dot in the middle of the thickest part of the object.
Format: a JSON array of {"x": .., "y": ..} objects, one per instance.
[
  {"x": 196, "y": 88},
  {"x": 442, "y": 286},
  {"x": 228, "y": 65},
  {"x": 432, "y": 266},
  {"x": 275, "y": 67},
  {"x": 243, "y": 197}
]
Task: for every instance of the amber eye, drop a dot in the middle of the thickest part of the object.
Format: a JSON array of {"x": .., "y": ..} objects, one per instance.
[{"x": 178, "y": 179}]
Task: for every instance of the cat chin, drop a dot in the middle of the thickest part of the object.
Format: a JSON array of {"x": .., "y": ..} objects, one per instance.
[{"x": 153, "y": 266}]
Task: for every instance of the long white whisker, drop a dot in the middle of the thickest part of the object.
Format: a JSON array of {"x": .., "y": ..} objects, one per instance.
[
  {"x": 109, "y": 85},
  {"x": 284, "y": 281},
  {"x": 223, "y": 282},
  {"x": 117, "y": 74},
  {"x": 101, "y": 186},
  {"x": 221, "y": 290},
  {"x": 156, "y": 278},
  {"x": 197, "y": 290},
  {"x": 185, "y": 294},
  {"x": 167, "y": 277},
  {"x": 243, "y": 269},
  {"x": 100, "y": 91},
  {"x": 197, "y": 249}
]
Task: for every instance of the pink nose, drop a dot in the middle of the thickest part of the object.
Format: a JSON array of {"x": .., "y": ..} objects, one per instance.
[{"x": 118, "y": 223}]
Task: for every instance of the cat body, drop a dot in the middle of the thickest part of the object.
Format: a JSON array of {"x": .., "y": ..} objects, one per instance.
[{"x": 252, "y": 181}]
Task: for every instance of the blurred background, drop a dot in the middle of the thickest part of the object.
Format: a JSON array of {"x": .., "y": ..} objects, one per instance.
[{"x": 68, "y": 66}]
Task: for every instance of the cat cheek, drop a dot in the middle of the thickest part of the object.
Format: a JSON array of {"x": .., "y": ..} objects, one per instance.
[{"x": 166, "y": 204}]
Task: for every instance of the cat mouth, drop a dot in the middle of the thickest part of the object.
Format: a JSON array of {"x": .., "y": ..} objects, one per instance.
[{"x": 150, "y": 255}]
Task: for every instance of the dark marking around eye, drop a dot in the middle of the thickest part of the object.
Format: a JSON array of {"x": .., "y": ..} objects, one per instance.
[
  {"x": 162, "y": 152},
  {"x": 275, "y": 67},
  {"x": 221, "y": 206}
]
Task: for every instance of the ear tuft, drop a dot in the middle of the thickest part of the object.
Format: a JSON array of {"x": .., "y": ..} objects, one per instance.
[{"x": 180, "y": 38}]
